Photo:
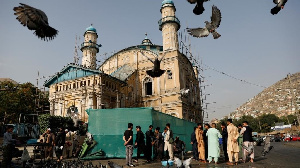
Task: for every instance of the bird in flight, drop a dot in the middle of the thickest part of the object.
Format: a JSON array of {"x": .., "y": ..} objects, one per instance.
[
  {"x": 279, "y": 5},
  {"x": 210, "y": 27},
  {"x": 156, "y": 71},
  {"x": 199, "y": 9},
  {"x": 36, "y": 20}
]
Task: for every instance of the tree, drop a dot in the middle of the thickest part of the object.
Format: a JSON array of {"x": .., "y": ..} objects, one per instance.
[
  {"x": 290, "y": 119},
  {"x": 16, "y": 99},
  {"x": 266, "y": 121}
]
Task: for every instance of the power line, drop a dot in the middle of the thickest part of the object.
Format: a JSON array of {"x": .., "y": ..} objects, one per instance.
[{"x": 226, "y": 74}]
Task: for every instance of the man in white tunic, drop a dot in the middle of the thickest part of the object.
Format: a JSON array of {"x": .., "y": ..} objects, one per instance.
[
  {"x": 168, "y": 144},
  {"x": 213, "y": 143}
]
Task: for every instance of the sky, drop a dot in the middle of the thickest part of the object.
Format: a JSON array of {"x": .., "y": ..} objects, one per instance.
[{"x": 256, "y": 48}]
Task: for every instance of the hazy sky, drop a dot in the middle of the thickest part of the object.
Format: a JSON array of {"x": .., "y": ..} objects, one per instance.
[{"x": 255, "y": 46}]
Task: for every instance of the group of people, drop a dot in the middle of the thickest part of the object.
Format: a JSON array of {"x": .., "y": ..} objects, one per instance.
[
  {"x": 62, "y": 144},
  {"x": 206, "y": 146},
  {"x": 162, "y": 143}
]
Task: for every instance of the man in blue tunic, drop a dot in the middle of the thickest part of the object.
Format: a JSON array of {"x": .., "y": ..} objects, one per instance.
[{"x": 213, "y": 143}]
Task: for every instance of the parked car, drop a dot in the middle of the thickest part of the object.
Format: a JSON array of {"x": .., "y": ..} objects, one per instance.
[
  {"x": 277, "y": 139},
  {"x": 257, "y": 141},
  {"x": 292, "y": 138}
]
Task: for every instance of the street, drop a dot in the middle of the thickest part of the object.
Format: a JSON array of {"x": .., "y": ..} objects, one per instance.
[{"x": 284, "y": 154}]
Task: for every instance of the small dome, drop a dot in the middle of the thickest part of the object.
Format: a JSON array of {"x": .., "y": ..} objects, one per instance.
[
  {"x": 91, "y": 28},
  {"x": 146, "y": 41},
  {"x": 167, "y": 2}
]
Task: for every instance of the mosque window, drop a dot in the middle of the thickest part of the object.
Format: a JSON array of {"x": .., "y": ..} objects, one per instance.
[
  {"x": 89, "y": 82},
  {"x": 170, "y": 74},
  {"x": 74, "y": 85},
  {"x": 56, "y": 88},
  {"x": 148, "y": 86}
]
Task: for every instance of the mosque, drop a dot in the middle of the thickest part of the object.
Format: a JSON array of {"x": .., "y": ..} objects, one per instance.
[{"x": 122, "y": 82}]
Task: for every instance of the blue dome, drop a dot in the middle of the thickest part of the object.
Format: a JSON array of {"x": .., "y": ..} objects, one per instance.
[
  {"x": 167, "y": 2},
  {"x": 91, "y": 28}
]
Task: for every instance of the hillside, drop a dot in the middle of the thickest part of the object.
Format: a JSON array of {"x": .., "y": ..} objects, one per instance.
[{"x": 281, "y": 99}]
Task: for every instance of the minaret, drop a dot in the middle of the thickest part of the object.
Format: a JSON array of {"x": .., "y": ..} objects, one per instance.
[
  {"x": 90, "y": 48},
  {"x": 169, "y": 24}
]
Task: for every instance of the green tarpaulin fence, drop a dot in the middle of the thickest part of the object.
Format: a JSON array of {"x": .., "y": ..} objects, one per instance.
[{"x": 108, "y": 125}]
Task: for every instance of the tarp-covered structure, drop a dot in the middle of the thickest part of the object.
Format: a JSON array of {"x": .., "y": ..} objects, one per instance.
[{"x": 108, "y": 125}]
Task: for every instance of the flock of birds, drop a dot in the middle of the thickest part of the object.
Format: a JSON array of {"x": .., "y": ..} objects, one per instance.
[
  {"x": 216, "y": 16},
  {"x": 80, "y": 164},
  {"x": 69, "y": 164},
  {"x": 35, "y": 19}
]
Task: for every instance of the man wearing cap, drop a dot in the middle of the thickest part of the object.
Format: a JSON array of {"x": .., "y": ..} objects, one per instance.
[
  {"x": 69, "y": 144},
  {"x": 49, "y": 138}
]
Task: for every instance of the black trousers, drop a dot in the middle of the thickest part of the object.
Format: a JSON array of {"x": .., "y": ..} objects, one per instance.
[
  {"x": 225, "y": 151},
  {"x": 195, "y": 151},
  {"x": 148, "y": 152},
  {"x": 7, "y": 156}
]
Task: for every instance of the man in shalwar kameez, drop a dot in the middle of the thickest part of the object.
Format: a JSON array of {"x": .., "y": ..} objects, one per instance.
[
  {"x": 232, "y": 143},
  {"x": 213, "y": 143},
  {"x": 200, "y": 142}
]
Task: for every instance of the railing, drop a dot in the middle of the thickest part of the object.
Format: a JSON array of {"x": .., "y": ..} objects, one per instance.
[
  {"x": 168, "y": 19},
  {"x": 90, "y": 44}
]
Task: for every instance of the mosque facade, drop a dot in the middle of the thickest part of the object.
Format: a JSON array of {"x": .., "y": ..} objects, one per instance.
[{"x": 122, "y": 82}]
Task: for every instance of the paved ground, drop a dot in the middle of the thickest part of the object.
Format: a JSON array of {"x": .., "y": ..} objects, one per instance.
[{"x": 284, "y": 154}]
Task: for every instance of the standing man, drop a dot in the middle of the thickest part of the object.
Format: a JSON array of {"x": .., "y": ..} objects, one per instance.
[
  {"x": 69, "y": 144},
  {"x": 139, "y": 142},
  {"x": 232, "y": 144},
  {"x": 158, "y": 144},
  {"x": 128, "y": 143},
  {"x": 49, "y": 138},
  {"x": 60, "y": 142},
  {"x": 224, "y": 140},
  {"x": 168, "y": 141},
  {"x": 8, "y": 146},
  {"x": 207, "y": 127},
  {"x": 213, "y": 143},
  {"x": 149, "y": 137},
  {"x": 200, "y": 142},
  {"x": 246, "y": 131},
  {"x": 240, "y": 142},
  {"x": 194, "y": 144}
]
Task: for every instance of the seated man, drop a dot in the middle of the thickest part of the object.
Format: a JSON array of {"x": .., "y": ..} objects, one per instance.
[{"x": 179, "y": 146}]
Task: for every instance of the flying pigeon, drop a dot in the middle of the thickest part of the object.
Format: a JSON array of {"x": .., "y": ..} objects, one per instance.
[
  {"x": 279, "y": 5},
  {"x": 156, "y": 71},
  {"x": 35, "y": 19},
  {"x": 185, "y": 164},
  {"x": 199, "y": 9},
  {"x": 249, "y": 149},
  {"x": 210, "y": 27}
]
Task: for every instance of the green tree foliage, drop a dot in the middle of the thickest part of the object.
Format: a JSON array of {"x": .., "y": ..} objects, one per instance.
[
  {"x": 16, "y": 99},
  {"x": 54, "y": 122},
  {"x": 259, "y": 124},
  {"x": 290, "y": 119}
]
